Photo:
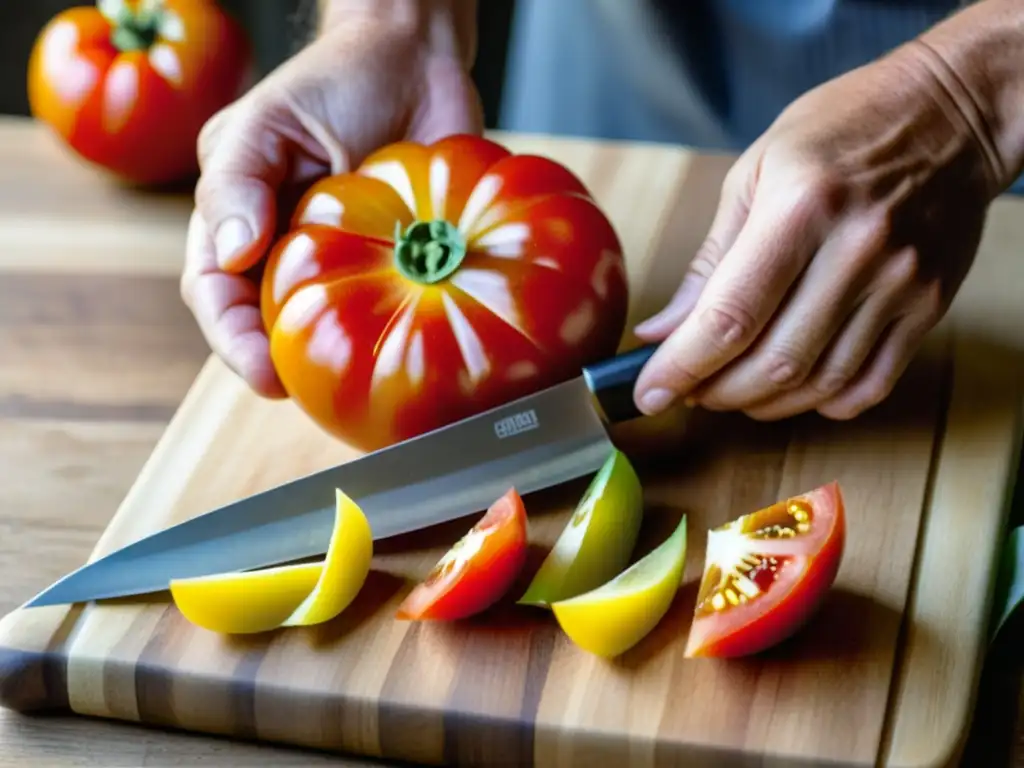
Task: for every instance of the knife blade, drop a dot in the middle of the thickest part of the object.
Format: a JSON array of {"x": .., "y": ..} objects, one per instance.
[{"x": 532, "y": 443}]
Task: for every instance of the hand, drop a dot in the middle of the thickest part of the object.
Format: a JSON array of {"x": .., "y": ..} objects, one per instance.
[
  {"x": 840, "y": 239},
  {"x": 361, "y": 85}
]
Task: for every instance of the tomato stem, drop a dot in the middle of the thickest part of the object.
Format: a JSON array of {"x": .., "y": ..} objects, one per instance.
[
  {"x": 429, "y": 251},
  {"x": 136, "y": 30}
]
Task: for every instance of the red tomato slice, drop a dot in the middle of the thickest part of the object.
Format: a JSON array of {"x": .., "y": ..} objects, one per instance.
[
  {"x": 478, "y": 570},
  {"x": 766, "y": 573}
]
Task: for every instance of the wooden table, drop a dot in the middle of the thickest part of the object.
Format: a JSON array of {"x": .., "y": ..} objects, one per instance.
[{"x": 96, "y": 352}]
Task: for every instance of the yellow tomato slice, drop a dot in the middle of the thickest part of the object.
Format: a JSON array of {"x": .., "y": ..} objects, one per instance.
[
  {"x": 612, "y": 618},
  {"x": 345, "y": 569},
  {"x": 289, "y": 595}
]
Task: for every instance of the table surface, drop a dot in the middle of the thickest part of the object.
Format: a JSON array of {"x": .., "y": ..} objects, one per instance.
[{"x": 98, "y": 351}]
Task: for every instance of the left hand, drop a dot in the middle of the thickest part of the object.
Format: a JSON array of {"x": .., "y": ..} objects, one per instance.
[{"x": 841, "y": 237}]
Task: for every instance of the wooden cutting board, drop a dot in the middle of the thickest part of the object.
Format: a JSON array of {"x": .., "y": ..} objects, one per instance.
[{"x": 885, "y": 675}]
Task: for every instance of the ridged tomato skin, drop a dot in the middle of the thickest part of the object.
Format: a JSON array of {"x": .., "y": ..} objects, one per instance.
[
  {"x": 377, "y": 343},
  {"x": 133, "y": 102}
]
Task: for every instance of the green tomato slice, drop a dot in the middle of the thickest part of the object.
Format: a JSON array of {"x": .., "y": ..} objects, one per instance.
[{"x": 598, "y": 540}]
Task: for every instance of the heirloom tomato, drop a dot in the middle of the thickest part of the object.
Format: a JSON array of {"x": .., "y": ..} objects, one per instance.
[
  {"x": 766, "y": 573},
  {"x": 128, "y": 84},
  {"x": 479, "y": 568},
  {"x": 611, "y": 619},
  {"x": 435, "y": 282},
  {"x": 599, "y": 538}
]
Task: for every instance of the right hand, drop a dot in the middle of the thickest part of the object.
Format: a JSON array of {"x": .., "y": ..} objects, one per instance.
[{"x": 361, "y": 85}]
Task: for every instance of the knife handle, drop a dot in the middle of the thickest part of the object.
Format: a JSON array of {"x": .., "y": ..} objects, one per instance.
[{"x": 611, "y": 381}]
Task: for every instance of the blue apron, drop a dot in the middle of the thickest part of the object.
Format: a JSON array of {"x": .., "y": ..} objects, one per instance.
[{"x": 711, "y": 74}]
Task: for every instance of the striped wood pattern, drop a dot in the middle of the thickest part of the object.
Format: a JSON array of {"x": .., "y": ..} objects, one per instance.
[{"x": 829, "y": 693}]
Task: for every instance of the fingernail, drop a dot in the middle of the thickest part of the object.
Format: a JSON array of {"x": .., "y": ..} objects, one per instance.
[
  {"x": 650, "y": 324},
  {"x": 656, "y": 320},
  {"x": 677, "y": 309},
  {"x": 655, "y": 400},
  {"x": 233, "y": 235}
]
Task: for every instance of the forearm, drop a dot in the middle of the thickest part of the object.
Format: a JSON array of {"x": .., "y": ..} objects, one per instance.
[
  {"x": 979, "y": 57},
  {"x": 448, "y": 26}
]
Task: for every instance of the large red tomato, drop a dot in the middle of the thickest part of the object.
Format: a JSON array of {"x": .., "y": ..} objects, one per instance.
[
  {"x": 435, "y": 282},
  {"x": 128, "y": 84},
  {"x": 767, "y": 572}
]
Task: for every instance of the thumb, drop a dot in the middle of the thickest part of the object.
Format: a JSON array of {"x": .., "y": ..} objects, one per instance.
[
  {"x": 243, "y": 162},
  {"x": 731, "y": 215}
]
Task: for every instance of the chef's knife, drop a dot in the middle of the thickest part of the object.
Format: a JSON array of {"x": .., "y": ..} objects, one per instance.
[{"x": 534, "y": 442}]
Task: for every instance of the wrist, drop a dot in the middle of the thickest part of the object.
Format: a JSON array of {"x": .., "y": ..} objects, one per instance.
[
  {"x": 978, "y": 58},
  {"x": 446, "y": 27}
]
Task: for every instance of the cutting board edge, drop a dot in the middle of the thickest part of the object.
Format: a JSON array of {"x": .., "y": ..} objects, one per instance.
[
  {"x": 30, "y": 681},
  {"x": 486, "y": 729},
  {"x": 969, "y": 382}
]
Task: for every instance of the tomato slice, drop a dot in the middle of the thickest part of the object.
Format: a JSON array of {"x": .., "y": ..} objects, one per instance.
[
  {"x": 766, "y": 573},
  {"x": 597, "y": 541},
  {"x": 611, "y": 619},
  {"x": 477, "y": 570}
]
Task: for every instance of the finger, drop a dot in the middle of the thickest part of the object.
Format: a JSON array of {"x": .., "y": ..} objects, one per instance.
[
  {"x": 731, "y": 214},
  {"x": 243, "y": 163},
  {"x": 887, "y": 300},
  {"x": 824, "y": 298},
  {"x": 895, "y": 351},
  {"x": 212, "y": 130},
  {"x": 773, "y": 247},
  {"x": 226, "y": 308}
]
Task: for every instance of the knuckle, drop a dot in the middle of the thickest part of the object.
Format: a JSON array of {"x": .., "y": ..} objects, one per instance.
[
  {"x": 904, "y": 267},
  {"x": 678, "y": 375},
  {"x": 880, "y": 224},
  {"x": 706, "y": 259},
  {"x": 786, "y": 368},
  {"x": 818, "y": 196},
  {"x": 209, "y": 133},
  {"x": 735, "y": 180},
  {"x": 207, "y": 191},
  {"x": 728, "y": 325},
  {"x": 213, "y": 193},
  {"x": 933, "y": 300},
  {"x": 831, "y": 380},
  {"x": 868, "y": 250},
  {"x": 868, "y": 396}
]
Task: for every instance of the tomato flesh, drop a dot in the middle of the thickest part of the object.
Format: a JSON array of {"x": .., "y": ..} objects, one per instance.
[
  {"x": 766, "y": 573},
  {"x": 478, "y": 570}
]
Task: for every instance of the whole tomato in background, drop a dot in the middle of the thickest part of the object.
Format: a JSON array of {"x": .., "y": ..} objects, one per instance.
[
  {"x": 434, "y": 282},
  {"x": 128, "y": 84}
]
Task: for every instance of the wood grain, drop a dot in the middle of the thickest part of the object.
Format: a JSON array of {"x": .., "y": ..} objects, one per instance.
[
  {"x": 101, "y": 225},
  {"x": 95, "y": 449}
]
